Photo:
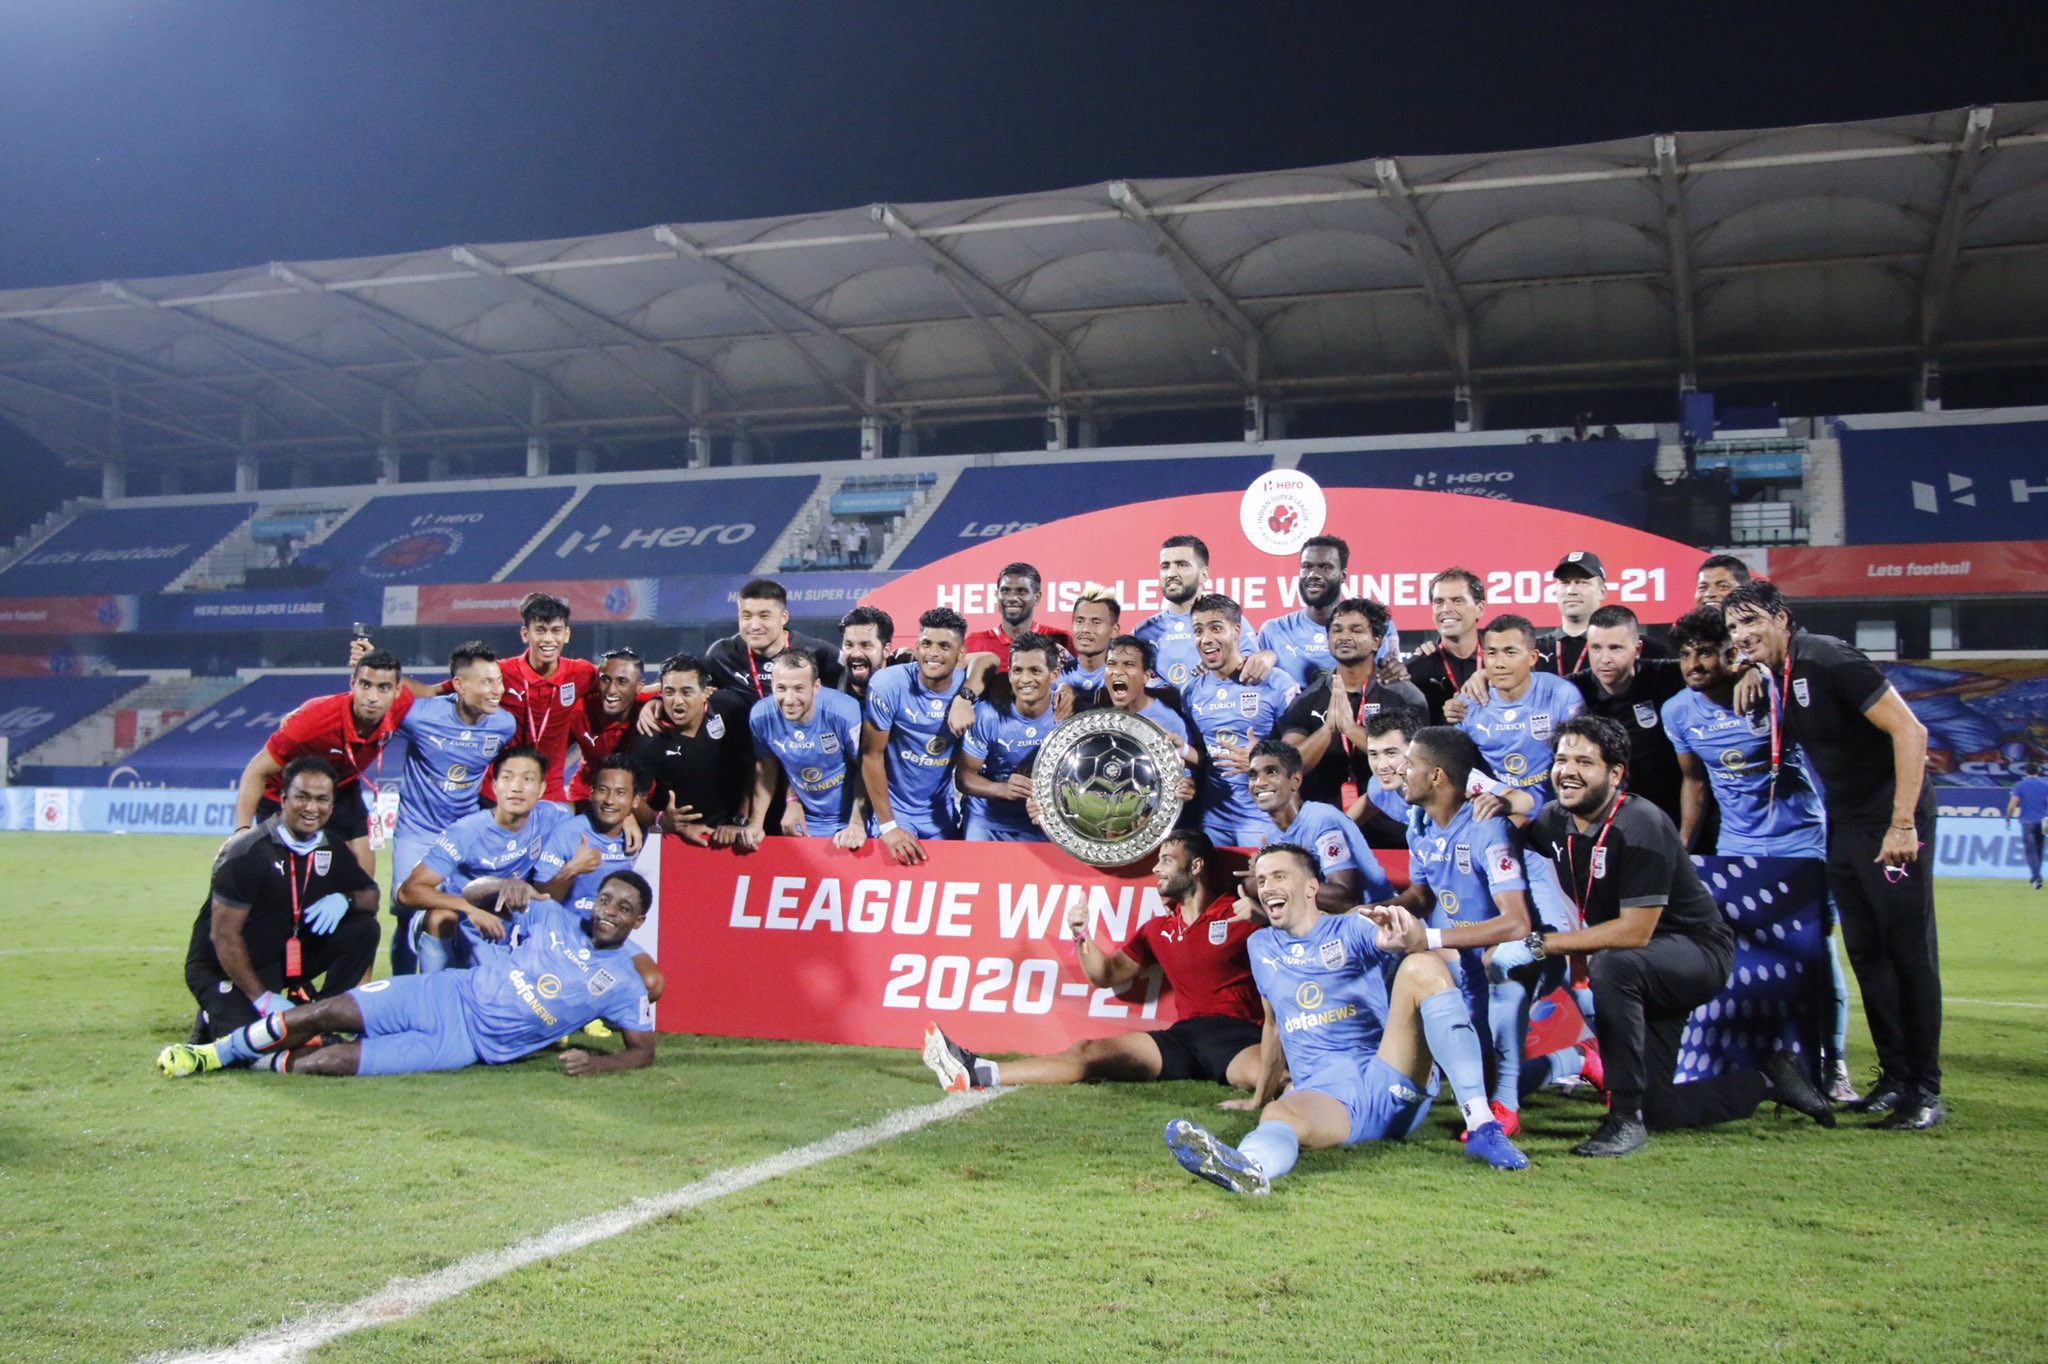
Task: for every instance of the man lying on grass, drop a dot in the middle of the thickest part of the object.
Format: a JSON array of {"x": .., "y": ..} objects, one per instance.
[{"x": 553, "y": 972}]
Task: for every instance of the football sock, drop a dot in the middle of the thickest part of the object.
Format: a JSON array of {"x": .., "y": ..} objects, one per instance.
[
  {"x": 1838, "y": 1039},
  {"x": 246, "y": 1044},
  {"x": 1507, "y": 1007},
  {"x": 986, "y": 1074},
  {"x": 1447, "y": 1023},
  {"x": 1564, "y": 1064},
  {"x": 1274, "y": 1146},
  {"x": 432, "y": 953},
  {"x": 277, "y": 1063}
]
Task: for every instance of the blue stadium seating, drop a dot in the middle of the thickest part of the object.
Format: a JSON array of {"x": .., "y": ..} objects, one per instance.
[
  {"x": 34, "y": 708},
  {"x": 212, "y": 747},
  {"x": 1608, "y": 479},
  {"x": 123, "y": 550},
  {"x": 653, "y": 530},
  {"x": 455, "y": 536}
]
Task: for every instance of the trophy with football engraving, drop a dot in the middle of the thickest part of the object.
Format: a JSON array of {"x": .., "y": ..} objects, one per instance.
[{"x": 1107, "y": 785}]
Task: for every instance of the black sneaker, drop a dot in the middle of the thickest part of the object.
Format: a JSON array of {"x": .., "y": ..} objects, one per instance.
[
  {"x": 1617, "y": 1136},
  {"x": 1916, "y": 1112},
  {"x": 1789, "y": 1086},
  {"x": 1883, "y": 1097}
]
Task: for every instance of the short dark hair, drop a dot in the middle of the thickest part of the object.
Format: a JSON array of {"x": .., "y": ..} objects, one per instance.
[
  {"x": 1500, "y": 625},
  {"x": 1282, "y": 752},
  {"x": 764, "y": 589},
  {"x": 1216, "y": 601},
  {"x": 1031, "y": 642},
  {"x": 795, "y": 658},
  {"x": 476, "y": 651},
  {"x": 943, "y": 618},
  {"x": 618, "y": 762},
  {"x": 1613, "y": 617},
  {"x": 885, "y": 625},
  {"x": 506, "y": 755},
  {"x": 538, "y": 608},
  {"x": 378, "y": 661},
  {"x": 1758, "y": 594},
  {"x": 1395, "y": 720},
  {"x": 1193, "y": 542},
  {"x": 1375, "y": 613},
  {"x": 1329, "y": 542},
  {"x": 2032, "y": 769},
  {"x": 1603, "y": 733},
  {"x": 1450, "y": 748},
  {"x": 1727, "y": 561},
  {"x": 625, "y": 651},
  {"x": 1020, "y": 569},
  {"x": 1300, "y": 854},
  {"x": 1471, "y": 580},
  {"x": 686, "y": 663},
  {"x": 302, "y": 765},
  {"x": 1200, "y": 847},
  {"x": 1144, "y": 647},
  {"x": 637, "y": 882},
  {"x": 1703, "y": 627}
]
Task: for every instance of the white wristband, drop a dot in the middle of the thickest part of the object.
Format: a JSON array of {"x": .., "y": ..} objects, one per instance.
[
  {"x": 887, "y": 826},
  {"x": 1433, "y": 938}
]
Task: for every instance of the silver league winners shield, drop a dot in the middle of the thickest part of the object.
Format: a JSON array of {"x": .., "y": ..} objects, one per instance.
[{"x": 1108, "y": 786}]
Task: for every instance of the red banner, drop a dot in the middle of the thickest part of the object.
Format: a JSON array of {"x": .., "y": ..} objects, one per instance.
[
  {"x": 1987, "y": 568},
  {"x": 804, "y": 941},
  {"x": 1399, "y": 540},
  {"x": 66, "y": 615}
]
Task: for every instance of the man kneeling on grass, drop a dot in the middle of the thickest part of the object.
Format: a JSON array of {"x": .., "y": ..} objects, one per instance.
[
  {"x": 553, "y": 972},
  {"x": 1359, "y": 1035}
]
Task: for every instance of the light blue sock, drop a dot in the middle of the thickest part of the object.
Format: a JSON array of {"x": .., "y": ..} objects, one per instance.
[
  {"x": 1548, "y": 1070},
  {"x": 432, "y": 953},
  {"x": 1447, "y": 1023},
  {"x": 1507, "y": 1009},
  {"x": 1838, "y": 1039},
  {"x": 1274, "y": 1146},
  {"x": 246, "y": 1044},
  {"x": 1582, "y": 995}
]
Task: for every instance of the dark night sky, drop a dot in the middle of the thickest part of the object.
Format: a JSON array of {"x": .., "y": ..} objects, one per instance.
[{"x": 150, "y": 137}]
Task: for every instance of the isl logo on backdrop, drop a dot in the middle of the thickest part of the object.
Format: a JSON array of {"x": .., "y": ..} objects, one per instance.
[{"x": 1281, "y": 510}]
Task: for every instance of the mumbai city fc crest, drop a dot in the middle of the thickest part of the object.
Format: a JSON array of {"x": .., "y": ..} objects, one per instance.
[
  {"x": 1800, "y": 692},
  {"x": 1646, "y": 715},
  {"x": 1331, "y": 953},
  {"x": 714, "y": 725},
  {"x": 1539, "y": 725},
  {"x": 490, "y": 745},
  {"x": 322, "y": 860},
  {"x": 1219, "y": 933},
  {"x": 1599, "y": 863},
  {"x": 567, "y": 691},
  {"x": 1463, "y": 857},
  {"x": 1248, "y": 704},
  {"x": 828, "y": 743},
  {"x": 602, "y": 981}
]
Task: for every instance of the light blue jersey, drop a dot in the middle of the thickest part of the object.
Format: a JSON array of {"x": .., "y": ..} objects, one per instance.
[
  {"x": 445, "y": 762},
  {"x": 2033, "y": 798},
  {"x": 920, "y": 750},
  {"x": 546, "y": 981},
  {"x": 562, "y": 844},
  {"x": 1336, "y": 842},
  {"x": 819, "y": 756},
  {"x": 1328, "y": 992},
  {"x": 1240, "y": 714},
  {"x": 1172, "y": 637},
  {"x": 477, "y": 846},
  {"x": 1735, "y": 752},
  {"x": 1083, "y": 679},
  {"x": 1515, "y": 736},
  {"x": 1391, "y": 803},
  {"x": 1465, "y": 863},
  {"x": 1005, "y": 742},
  {"x": 1167, "y": 718},
  {"x": 1303, "y": 647}
]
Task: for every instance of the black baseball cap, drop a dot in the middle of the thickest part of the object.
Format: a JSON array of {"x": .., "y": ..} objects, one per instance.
[{"x": 1582, "y": 563}]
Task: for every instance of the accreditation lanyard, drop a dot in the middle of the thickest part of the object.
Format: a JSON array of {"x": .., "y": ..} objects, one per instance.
[
  {"x": 537, "y": 733},
  {"x": 1571, "y": 866},
  {"x": 300, "y": 886},
  {"x": 1777, "y": 708}
]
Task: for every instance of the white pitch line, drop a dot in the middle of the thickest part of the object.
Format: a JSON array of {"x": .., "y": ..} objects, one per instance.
[
  {"x": 402, "y": 1298},
  {"x": 1993, "y": 1003},
  {"x": 80, "y": 950}
]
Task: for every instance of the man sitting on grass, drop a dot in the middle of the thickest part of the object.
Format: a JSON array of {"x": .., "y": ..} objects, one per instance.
[{"x": 554, "y": 972}]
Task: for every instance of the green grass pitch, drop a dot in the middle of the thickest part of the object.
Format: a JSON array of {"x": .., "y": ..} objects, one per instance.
[{"x": 140, "y": 1215}]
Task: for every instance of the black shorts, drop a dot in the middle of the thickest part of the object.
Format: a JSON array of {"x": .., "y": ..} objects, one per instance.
[
  {"x": 350, "y": 820},
  {"x": 1203, "y": 1048}
]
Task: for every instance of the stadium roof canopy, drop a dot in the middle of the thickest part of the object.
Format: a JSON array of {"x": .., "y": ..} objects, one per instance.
[{"x": 1837, "y": 249}]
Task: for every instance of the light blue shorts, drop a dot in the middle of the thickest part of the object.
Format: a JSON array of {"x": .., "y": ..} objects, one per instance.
[
  {"x": 1383, "y": 1104},
  {"x": 413, "y": 1024}
]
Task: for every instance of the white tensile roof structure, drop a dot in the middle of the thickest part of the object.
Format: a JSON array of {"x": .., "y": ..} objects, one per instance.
[{"x": 1880, "y": 246}]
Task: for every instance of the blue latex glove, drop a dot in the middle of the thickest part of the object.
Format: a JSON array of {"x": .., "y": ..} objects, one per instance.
[
  {"x": 271, "y": 1002},
  {"x": 324, "y": 913},
  {"x": 1508, "y": 956}
]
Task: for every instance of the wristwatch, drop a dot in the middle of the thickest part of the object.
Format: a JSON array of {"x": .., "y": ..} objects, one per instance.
[{"x": 1534, "y": 942}]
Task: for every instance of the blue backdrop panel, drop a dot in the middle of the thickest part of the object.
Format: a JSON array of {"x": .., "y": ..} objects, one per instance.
[
  {"x": 651, "y": 530},
  {"x": 445, "y": 537},
  {"x": 214, "y": 745},
  {"x": 34, "y": 708},
  {"x": 1779, "y": 993},
  {"x": 1608, "y": 479},
  {"x": 986, "y": 503},
  {"x": 1947, "y": 484},
  {"x": 128, "y": 549}
]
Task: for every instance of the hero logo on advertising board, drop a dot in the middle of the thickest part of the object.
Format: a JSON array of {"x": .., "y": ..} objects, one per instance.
[
  {"x": 657, "y": 537},
  {"x": 1962, "y": 492},
  {"x": 1281, "y": 510}
]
